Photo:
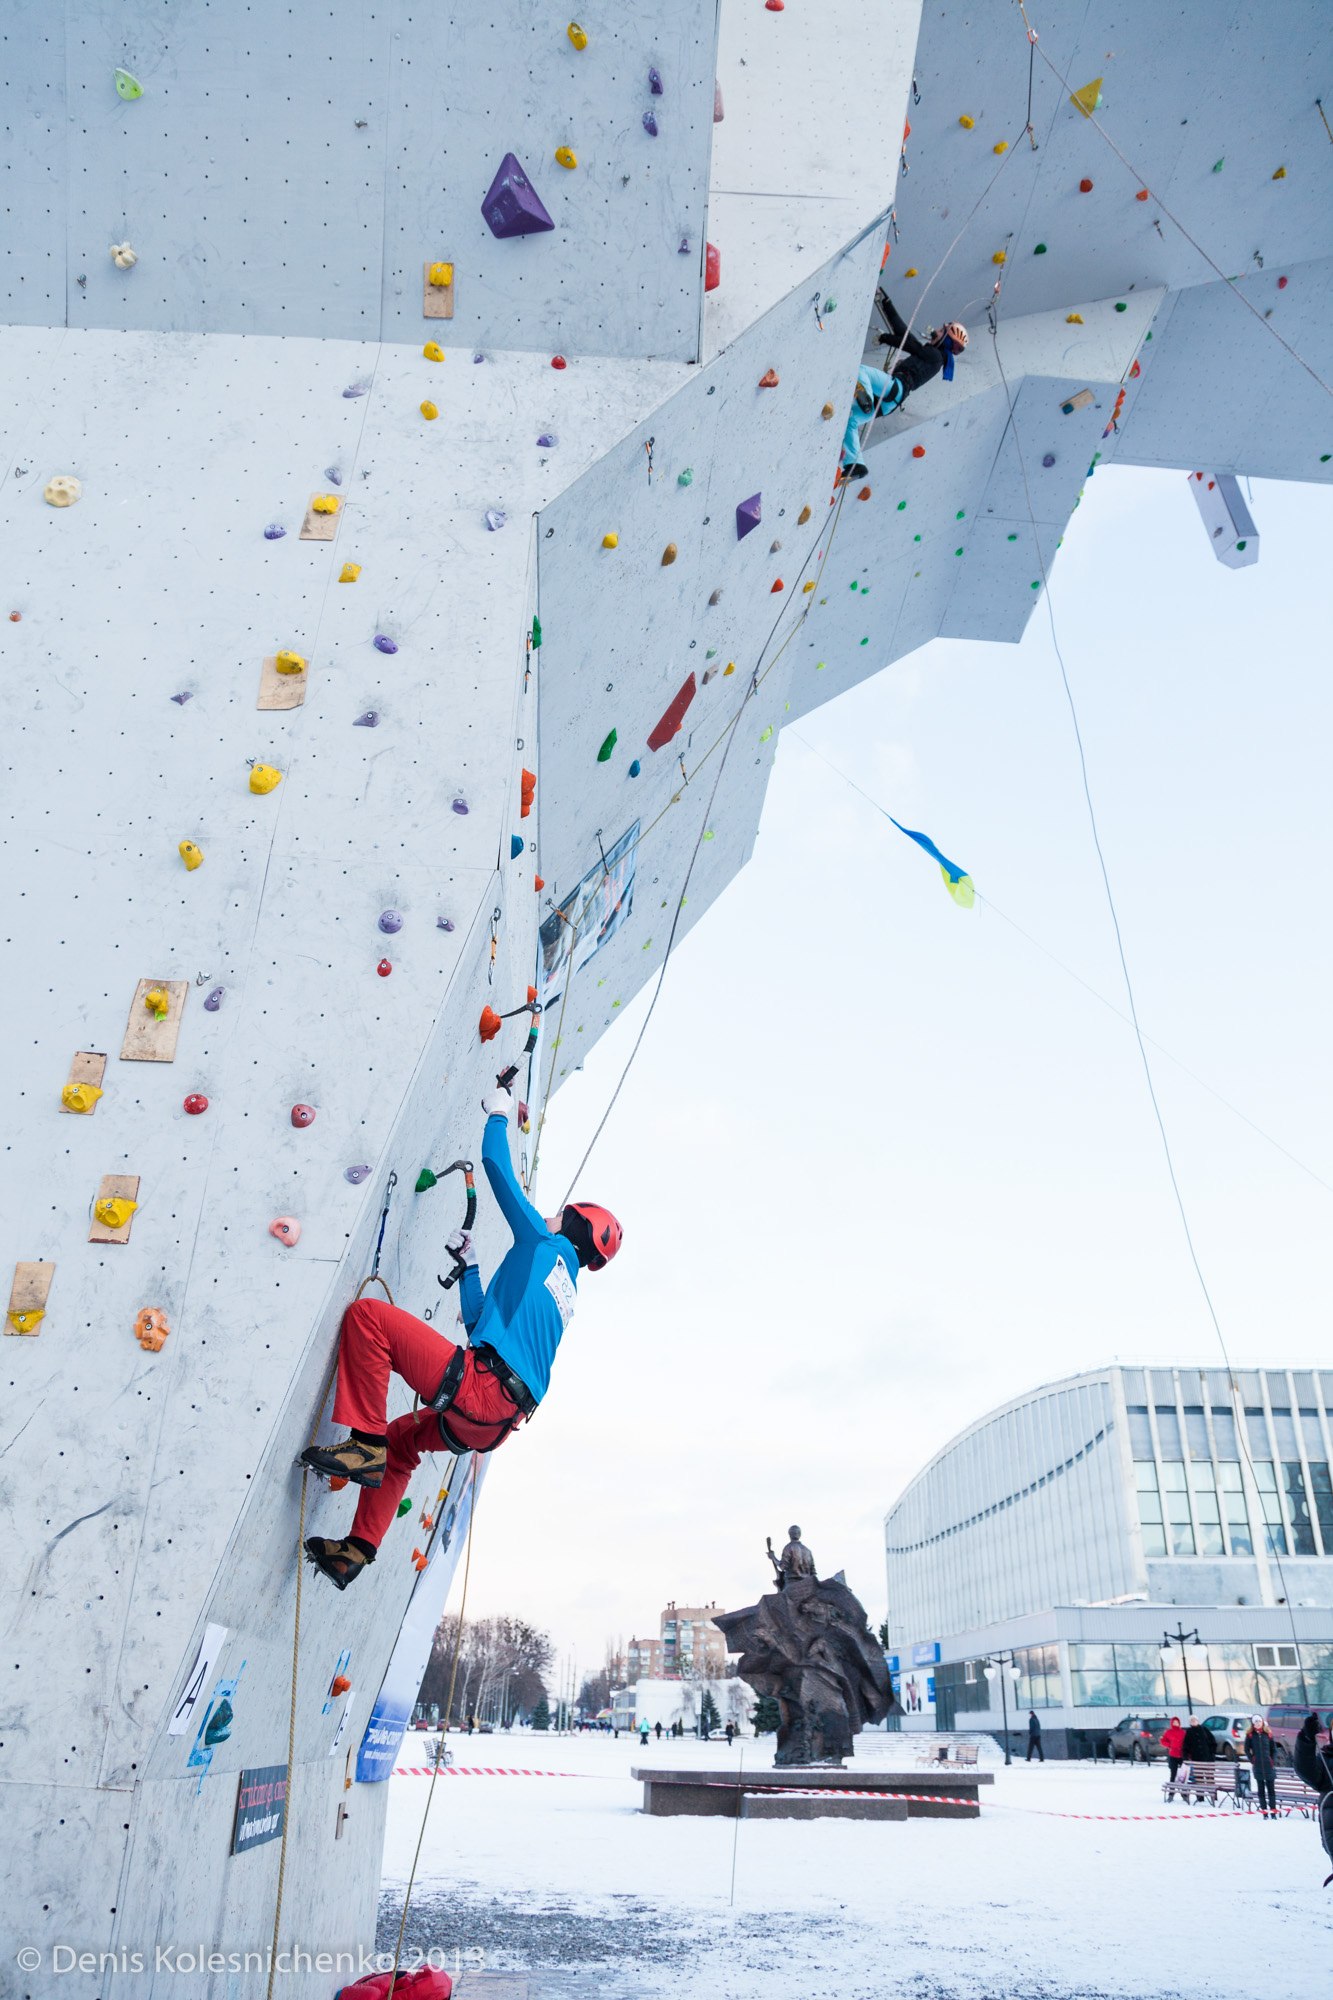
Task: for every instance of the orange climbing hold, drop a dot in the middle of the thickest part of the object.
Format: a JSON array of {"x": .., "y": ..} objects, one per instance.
[
  {"x": 489, "y": 1025},
  {"x": 337, "y": 1483},
  {"x": 1085, "y": 187},
  {"x": 527, "y": 792},
  {"x": 151, "y": 1328},
  {"x": 776, "y": 586},
  {"x": 419, "y": 1561},
  {"x": 864, "y": 494},
  {"x": 339, "y": 1684},
  {"x": 826, "y": 412},
  {"x": 538, "y": 883},
  {"x": 769, "y": 380},
  {"x": 803, "y": 517},
  {"x": 1142, "y": 195},
  {"x": 918, "y": 451}
]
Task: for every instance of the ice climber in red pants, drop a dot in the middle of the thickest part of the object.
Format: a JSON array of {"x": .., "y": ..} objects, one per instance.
[{"x": 474, "y": 1396}]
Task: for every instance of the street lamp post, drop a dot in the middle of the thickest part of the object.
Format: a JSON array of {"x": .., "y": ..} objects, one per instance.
[
  {"x": 1180, "y": 1637},
  {"x": 1001, "y": 1667}
]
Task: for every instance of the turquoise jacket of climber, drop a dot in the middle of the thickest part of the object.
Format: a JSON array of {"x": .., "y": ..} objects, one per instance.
[
  {"x": 530, "y": 1300},
  {"x": 887, "y": 391}
]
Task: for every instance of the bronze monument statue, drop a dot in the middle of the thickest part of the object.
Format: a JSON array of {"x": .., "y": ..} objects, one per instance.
[{"x": 808, "y": 1644}]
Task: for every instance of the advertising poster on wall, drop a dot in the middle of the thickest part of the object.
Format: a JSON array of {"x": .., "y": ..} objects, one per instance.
[
  {"x": 590, "y": 916},
  {"x": 402, "y": 1678}
]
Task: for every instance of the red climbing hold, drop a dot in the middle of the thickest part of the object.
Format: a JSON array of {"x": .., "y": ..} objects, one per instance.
[
  {"x": 1142, "y": 194},
  {"x": 864, "y": 494},
  {"x": 384, "y": 968},
  {"x": 712, "y": 267},
  {"x": 303, "y": 1115},
  {"x": 538, "y": 883},
  {"x": 490, "y": 1024},
  {"x": 1135, "y": 372},
  {"x": 770, "y": 380},
  {"x": 673, "y": 716},
  {"x": 918, "y": 451},
  {"x": 776, "y": 6},
  {"x": 195, "y": 1104},
  {"x": 337, "y": 1483},
  {"x": 776, "y": 586},
  {"x": 16, "y": 617},
  {"x": 558, "y": 361},
  {"x": 1282, "y": 284},
  {"x": 1085, "y": 187},
  {"x": 527, "y": 793}
]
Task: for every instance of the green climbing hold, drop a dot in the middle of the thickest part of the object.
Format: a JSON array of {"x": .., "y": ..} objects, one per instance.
[
  {"x": 536, "y": 633},
  {"x": 764, "y": 734},
  {"x": 709, "y": 834},
  {"x": 711, "y": 654},
  {"x": 1037, "y": 585},
  {"x": 604, "y": 753},
  {"x": 916, "y": 538},
  {"x": 127, "y": 86},
  {"x": 902, "y": 506},
  {"x": 819, "y": 666},
  {"x": 1219, "y": 164},
  {"x": 853, "y": 585},
  {"x": 1039, "y": 250},
  {"x": 1013, "y": 538},
  {"x": 959, "y": 515},
  {"x": 1324, "y": 457},
  {"x": 404, "y": 1506},
  {"x": 1121, "y": 306},
  {"x": 1240, "y": 545},
  {"x": 958, "y": 552},
  {"x": 425, "y": 1179},
  {"x": 865, "y": 642},
  {"x": 830, "y": 305},
  {"x": 685, "y": 478}
]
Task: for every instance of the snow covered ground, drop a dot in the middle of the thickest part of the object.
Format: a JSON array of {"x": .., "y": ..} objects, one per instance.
[{"x": 568, "y": 1875}]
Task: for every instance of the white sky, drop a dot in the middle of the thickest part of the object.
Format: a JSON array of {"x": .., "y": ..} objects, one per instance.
[{"x": 881, "y": 1164}]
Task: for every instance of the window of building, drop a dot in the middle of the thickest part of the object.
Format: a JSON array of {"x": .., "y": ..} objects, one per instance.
[
  {"x": 1234, "y": 1682},
  {"x": 1207, "y": 1510},
  {"x": 1196, "y": 1431},
  {"x": 1284, "y": 1430},
  {"x": 970, "y": 1672},
  {"x": 1256, "y": 1430},
  {"x": 1092, "y": 1679},
  {"x": 1140, "y": 1436},
  {"x": 1038, "y": 1684},
  {"x": 1321, "y": 1492},
  {"x": 1279, "y": 1674},
  {"x": 1138, "y": 1672},
  {"x": 1176, "y": 1503},
  {"x": 1275, "y": 1535},
  {"x": 1237, "y": 1516},
  {"x": 1168, "y": 1431},
  {"x": 1313, "y": 1435},
  {"x": 1298, "y": 1509},
  {"x": 1224, "y": 1432},
  {"x": 1317, "y": 1664},
  {"x": 1150, "y": 1509}
]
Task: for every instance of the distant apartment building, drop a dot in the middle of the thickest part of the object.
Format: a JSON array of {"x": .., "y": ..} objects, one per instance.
[
  {"x": 691, "y": 1642},
  {"x": 643, "y": 1660}
]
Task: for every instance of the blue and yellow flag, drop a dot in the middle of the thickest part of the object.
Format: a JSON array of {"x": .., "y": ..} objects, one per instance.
[{"x": 956, "y": 880}]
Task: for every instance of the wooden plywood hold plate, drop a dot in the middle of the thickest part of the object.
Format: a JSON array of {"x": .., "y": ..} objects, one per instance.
[
  {"x": 87, "y": 1067},
  {"x": 437, "y": 301},
  {"x": 281, "y": 690},
  {"x": 148, "y": 1039},
  {"x": 1079, "y": 401},
  {"x": 111, "y": 1186},
  {"x": 27, "y": 1297},
  {"x": 321, "y": 527}
]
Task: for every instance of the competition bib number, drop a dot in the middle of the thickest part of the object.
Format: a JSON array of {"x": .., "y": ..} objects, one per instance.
[{"x": 561, "y": 1287}]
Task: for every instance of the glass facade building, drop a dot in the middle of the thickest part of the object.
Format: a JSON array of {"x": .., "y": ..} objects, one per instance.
[{"x": 1077, "y": 1523}]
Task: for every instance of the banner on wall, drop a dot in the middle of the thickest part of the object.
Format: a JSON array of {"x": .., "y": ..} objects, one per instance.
[
  {"x": 590, "y": 916},
  {"x": 402, "y": 1677}
]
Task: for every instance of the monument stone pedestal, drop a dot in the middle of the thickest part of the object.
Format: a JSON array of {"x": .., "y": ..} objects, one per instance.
[{"x": 813, "y": 1791}]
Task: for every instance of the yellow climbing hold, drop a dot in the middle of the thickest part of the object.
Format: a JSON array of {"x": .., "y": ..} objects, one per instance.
[
  {"x": 263, "y": 778},
  {"x": 114, "y": 1211},
  {"x": 349, "y": 572},
  {"x": 24, "y": 1321},
  {"x": 290, "y": 663},
  {"x": 911, "y": 271},
  {"x": 1003, "y": 147},
  {"x": 669, "y": 555},
  {"x": 803, "y": 517},
  {"x": 966, "y": 122},
  {"x": 80, "y": 1096},
  {"x": 577, "y": 35},
  {"x": 432, "y": 351},
  {"x": 1073, "y": 319},
  {"x": 730, "y": 668},
  {"x": 157, "y": 1002},
  {"x": 764, "y": 734},
  {"x": 806, "y": 588},
  {"x": 827, "y": 411},
  {"x": 325, "y": 503},
  {"x": 429, "y": 412},
  {"x": 1281, "y": 174},
  {"x": 1000, "y": 257},
  {"x": 441, "y": 274},
  {"x": 192, "y": 856},
  {"x": 1087, "y": 99},
  {"x": 565, "y": 156},
  {"x": 610, "y": 541}
]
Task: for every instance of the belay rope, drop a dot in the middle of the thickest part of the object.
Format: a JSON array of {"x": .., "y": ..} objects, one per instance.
[{"x": 373, "y": 1279}]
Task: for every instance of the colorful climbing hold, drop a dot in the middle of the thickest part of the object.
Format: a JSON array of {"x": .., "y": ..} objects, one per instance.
[
  {"x": 712, "y": 267},
  {"x": 62, "y": 491},
  {"x": 918, "y": 451},
  {"x": 391, "y": 922},
  {"x": 384, "y": 968},
  {"x": 325, "y": 503},
  {"x": 611, "y": 540},
  {"x": 369, "y": 718},
  {"x": 1048, "y": 459},
  {"x": 1280, "y": 175},
  {"x": 764, "y": 734},
  {"x": 490, "y": 1024},
  {"x": 349, "y": 572},
  {"x": 302, "y": 1116},
  {"x": 769, "y": 379},
  {"x": 432, "y": 351},
  {"x": 864, "y": 494},
  {"x": 1122, "y": 305},
  {"x": 356, "y": 1174},
  {"x": 911, "y": 272},
  {"x": 191, "y": 855},
  {"x": 749, "y": 513},
  {"x": 577, "y": 35},
  {"x": 1282, "y": 284},
  {"x": 1002, "y": 256},
  {"x": 635, "y": 768},
  {"x": 429, "y": 411},
  {"x": 803, "y": 517},
  {"x": 440, "y": 276},
  {"x": 1002, "y": 147},
  {"x": 288, "y": 662},
  {"x": 608, "y": 745},
  {"x": 286, "y": 1228},
  {"x": 1087, "y": 99},
  {"x": 730, "y": 668},
  {"x": 565, "y": 156},
  {"x": 195, "y": 1104},
  {"x": 515, "y": 846},
  {"x": 512, "y": 206},
  {"x": 1073, "y": 319},
  {"x": 113, "y": 1211},
  {"x": 673, "y": 715},
  {"x": 966, "y": 122},
  {"x": 263, "y": 778},
  {"x": 495, "y": 518},
  {"x": 460, "y": 806},
  {"x": 685, "y": 478},
  {"x": 127, "y": 87},
  {"x": 558, "y": 361},
  {"x": 1142, "y": 195},
  {"x": 1039, "y": 249},
  {"x": 776, "y": 585},
  {"x": 405, "y": 1507},
  {"x": 151, "y": 1327},
  {"x": 669, "y": 555},
  {"x": 1219, "y": 164},
  {"x": 826, "y": 412},
  {"x": 274, "y": 532},
  {"x": 655, "y": 82},
  {"x": 1085, "y": 186},
  {"x": 214, "y": 1000},
  {"x": 806, "y": 588},
  {"x": 650, "y": 124},
  {"x": 81, "y": 1097}
]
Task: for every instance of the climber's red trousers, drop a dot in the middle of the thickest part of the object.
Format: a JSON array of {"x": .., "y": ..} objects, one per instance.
[{"x": 378, "y": 1340}]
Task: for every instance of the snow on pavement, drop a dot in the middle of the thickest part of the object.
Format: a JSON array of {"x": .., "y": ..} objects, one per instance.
[{"x": 1018, "y": 1905}]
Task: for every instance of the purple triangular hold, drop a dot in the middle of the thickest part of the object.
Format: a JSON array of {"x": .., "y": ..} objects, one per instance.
[
  {"x": 512, "y": 206},
  {"x": 748, "y": 515}
]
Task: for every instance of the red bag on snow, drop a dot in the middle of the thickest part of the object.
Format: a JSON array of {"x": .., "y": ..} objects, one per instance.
[{"x": 426, "y": 1983}]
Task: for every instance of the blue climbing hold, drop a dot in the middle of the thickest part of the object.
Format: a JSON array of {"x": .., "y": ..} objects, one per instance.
[
  {"x": 515, "y": 846},
  {"x": 635, "y": 768}
]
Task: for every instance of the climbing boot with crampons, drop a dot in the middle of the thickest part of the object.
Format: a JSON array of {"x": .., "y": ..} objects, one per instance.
[
  {"x": 353, "y": 1459},
  {"x": 340, "y": 1562}
]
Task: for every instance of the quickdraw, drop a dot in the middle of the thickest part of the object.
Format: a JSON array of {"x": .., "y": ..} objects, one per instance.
[{"x": 389, "y": 1187}]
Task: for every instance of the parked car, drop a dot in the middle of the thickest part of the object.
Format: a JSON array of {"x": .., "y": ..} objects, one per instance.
[
  {"x": 1138, "y": 1737},
  {"x": 1229, "y": 1727},
  {"x": 1285, "y": 1719}
]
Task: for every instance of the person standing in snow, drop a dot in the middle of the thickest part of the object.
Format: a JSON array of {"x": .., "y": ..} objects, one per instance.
[
  {"x": 1173, "y": 1742},
  {"x": 643, "y": 1733},
  {"x": 1034, "y": 1738},
  {"x": 731, "y": 1734},
  {"x": 657, "y": 1728},
  {"x": 1200, "y": 1753},
  {"x": 1259, "y": 1750},
  {"x": 1313, "y": 1763}
]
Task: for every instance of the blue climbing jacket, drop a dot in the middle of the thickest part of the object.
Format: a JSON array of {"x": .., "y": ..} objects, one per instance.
[{"x": 530, "y": 1300}]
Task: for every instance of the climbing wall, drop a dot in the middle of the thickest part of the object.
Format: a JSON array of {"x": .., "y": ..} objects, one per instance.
[{"x": 328, "y": 512}]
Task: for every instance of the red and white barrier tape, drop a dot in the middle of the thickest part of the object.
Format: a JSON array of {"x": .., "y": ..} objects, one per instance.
[{"x": 476, "y": 1771}]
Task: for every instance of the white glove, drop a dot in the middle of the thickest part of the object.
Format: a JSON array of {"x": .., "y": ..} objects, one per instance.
[
  {"x": 498, "y": 1105},
  {"x": 460, "y": 1245}
]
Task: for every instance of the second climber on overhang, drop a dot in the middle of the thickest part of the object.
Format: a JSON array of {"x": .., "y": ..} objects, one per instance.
[{"x": 472, "y": 1396}]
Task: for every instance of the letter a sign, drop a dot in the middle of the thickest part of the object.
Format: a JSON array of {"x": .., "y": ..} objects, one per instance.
[{"x": 201, "y": 1673}]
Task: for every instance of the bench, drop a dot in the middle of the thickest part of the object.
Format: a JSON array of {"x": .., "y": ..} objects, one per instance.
[{"x": 1234, "y": 1784}]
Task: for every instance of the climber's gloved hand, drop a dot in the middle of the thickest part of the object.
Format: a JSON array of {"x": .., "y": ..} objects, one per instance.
[
  {"x": 460, "y": 1245},
  {"x": 499, "y": 1104}
]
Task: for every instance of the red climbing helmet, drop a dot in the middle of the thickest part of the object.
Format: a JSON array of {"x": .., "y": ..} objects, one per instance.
[
  {"x": 596, "y": 1236},
  {"x": 955, "y": 333}
]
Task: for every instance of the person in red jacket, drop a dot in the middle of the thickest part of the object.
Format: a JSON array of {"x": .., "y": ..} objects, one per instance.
[{"x": 1173, "y": 1742}]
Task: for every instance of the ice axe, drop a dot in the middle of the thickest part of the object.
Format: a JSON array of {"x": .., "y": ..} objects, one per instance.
[{"x": 777, "y": 1566}]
